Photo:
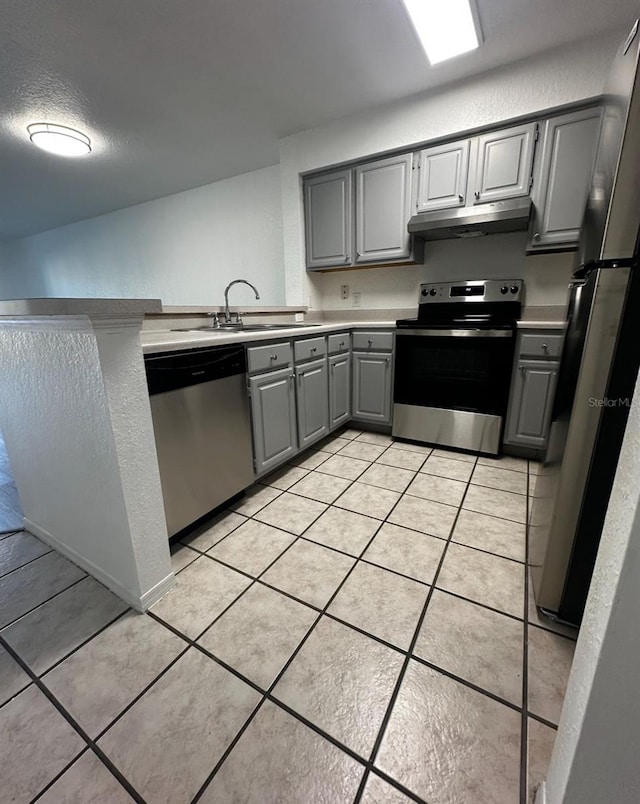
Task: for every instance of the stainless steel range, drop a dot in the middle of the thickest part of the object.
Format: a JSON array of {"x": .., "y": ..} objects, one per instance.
[{"x": 453, "y": 364}]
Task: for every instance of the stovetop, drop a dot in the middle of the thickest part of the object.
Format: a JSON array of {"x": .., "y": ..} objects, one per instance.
[{"x": 474, "y": 304}]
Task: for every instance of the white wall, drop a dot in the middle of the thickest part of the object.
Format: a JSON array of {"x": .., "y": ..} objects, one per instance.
[
  {"x": 567, "y": 75},
  {"x": 492, "y": 257},
  {"x": 182, "y": 249},
  {"x": 75, "y": 414},
  {"x": 595, "y": 757}
]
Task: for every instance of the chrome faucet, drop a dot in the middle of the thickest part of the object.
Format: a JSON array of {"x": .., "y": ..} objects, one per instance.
[{"x": 227, "y": 314}]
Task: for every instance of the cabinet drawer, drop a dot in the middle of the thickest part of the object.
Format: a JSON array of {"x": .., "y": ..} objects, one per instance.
[
  {"x": 340, "y": 342},
  {"x": 263, "y": 358},
  {"x": 373, "y": 341},
  {"x": 549, "y": 346},
  {"x": 309, "y": 349}
]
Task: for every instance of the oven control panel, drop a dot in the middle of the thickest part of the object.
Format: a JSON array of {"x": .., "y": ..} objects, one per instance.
[{"x": 473, "y": 290}]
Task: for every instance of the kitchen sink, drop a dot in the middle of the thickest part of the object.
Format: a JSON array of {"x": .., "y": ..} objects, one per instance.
[{"x": 243, "y": 328}]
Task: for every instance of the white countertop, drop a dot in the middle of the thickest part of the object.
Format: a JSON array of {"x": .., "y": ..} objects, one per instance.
[
  {"x": 90, "y": 307},
  {"x": 154, "y": 341}
]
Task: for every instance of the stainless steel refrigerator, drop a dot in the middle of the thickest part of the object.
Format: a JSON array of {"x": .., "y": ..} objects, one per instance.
[{"x": 600, "y": 360}]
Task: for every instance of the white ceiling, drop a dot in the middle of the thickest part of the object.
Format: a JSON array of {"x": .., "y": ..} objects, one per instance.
[{"x": 178, "y": 94}]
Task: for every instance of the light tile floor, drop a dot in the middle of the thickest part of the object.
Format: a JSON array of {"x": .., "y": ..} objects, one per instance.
[{"x": 359, "y": 628}]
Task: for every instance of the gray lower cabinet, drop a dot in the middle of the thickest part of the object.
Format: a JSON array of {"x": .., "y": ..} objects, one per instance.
[
  {"x": 562, "y": 179},
  {"x": 339, "y": 389},
  {"x": 372, "y": 387},
  {"x": 313, "y": 401},
  {"x": 273, "y": 411},
  {"x": 531, "y": 403}
]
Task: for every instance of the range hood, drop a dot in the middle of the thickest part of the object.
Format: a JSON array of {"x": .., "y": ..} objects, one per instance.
[{"x": 445, "y": 224}]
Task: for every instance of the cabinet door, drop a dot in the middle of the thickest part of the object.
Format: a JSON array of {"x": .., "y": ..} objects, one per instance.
[
  {"x": 442, "y": 176},
  {"x": 372, "y": 387},
  {"x": 313, "y": 401},
  {"x": 328, "y": 219},
  {"x": 273, "y": 412},
  {"x": 383, "y": 208},
  {"x": 531, "y": 403},
  {"x": 563, "y": 177},
  {"x": 503, "y": 164},
  {"x": 339, "y": 389}
]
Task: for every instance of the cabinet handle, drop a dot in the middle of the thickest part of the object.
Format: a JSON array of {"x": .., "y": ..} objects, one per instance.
[
  {"x": 273, "y": 357},
  {"x": 358, "y": 255},
  {"x": 314, "y": 348},
  {"x": 522, "y": 369},
  {"x": 341, "y": 343},
  {"x": 477, "y": 194},
  {"x": 386, "y": 360},
  {"x": 461, "y": 198},
  {"x": 347, "y": 257},
  {"x": 545, "y": 348},
  {"x": 369, "y": 341},
  {"x": 536, "y": 236}
]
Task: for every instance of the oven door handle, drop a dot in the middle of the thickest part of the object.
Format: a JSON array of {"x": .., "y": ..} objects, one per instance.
[{"x": 457, "y": 333}]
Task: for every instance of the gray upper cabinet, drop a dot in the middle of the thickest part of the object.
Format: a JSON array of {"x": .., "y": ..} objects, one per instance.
[
  {"x": 273, "y": 412},
  {"x": 339, "y": 389},
  {"x": 442, "y": 176},
  {"x": 562, "y": 179},
  {"x": 502, "y": 164},
  {"x": 383, "y": 208},
  {"x": 531, "y": 403},
  {"x": 372, "y": 387},
  {"x": 313, "y": 401},
  {"x": 328, "y": 219}
]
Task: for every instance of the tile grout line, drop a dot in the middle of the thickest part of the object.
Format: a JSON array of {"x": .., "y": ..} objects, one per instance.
[
  {"x": 26, "y": 563},
  {"x": 286, "y": 666},
  {"x": 396, "y": 691},
  {"x": 74, "y": 725},
  {"x": 524, "y": 727},
  {"x": 46, "y": 600}
]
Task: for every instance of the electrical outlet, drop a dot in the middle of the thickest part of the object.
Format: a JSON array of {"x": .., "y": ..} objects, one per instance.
[
  {"x": 357, "y": 299},
  {"x": 299, "y": 318},
  {"x": 344, "y": 291}
]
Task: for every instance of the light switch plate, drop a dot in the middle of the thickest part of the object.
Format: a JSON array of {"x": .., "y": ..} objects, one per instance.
[{"x": 357, "y": 298}]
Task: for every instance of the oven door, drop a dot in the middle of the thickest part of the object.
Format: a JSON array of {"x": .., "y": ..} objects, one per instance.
[{"x": 451, "y": 386}]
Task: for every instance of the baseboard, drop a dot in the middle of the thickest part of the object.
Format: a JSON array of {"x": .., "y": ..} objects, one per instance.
[
  {"x": 541, "y": 794},
  {"x": 156, "y": 592},
  {"x": 139, "y": 603}
]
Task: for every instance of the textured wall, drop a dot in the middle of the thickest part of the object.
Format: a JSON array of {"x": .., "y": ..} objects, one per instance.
[
  {"x": 495, "y": 257},
  {"x": 569, "y": 74},
  {"x": 81, "y": 447},
  {"x": 595, "y": 758},
  {"x": 183, "y": 248}
]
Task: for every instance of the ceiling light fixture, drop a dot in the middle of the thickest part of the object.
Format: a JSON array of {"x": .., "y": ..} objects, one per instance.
[
  {"x": 446, "y": 28},
  {"x": 60, "y": 140}
]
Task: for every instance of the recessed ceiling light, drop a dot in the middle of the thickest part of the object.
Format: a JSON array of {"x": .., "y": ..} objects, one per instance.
[
  {"x": 446, "y": 28},
  {"x": 60, "y": 140}
]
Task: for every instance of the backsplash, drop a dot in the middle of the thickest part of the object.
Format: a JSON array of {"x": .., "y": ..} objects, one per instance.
[{"x": 500, "y": 256}]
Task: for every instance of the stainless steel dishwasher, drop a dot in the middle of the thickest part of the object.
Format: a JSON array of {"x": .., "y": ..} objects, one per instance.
[{"x": 200, "y": 412}]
